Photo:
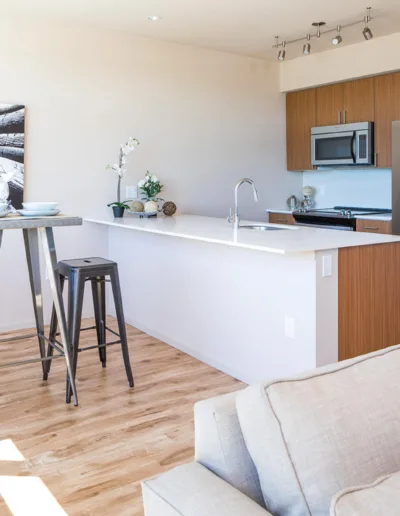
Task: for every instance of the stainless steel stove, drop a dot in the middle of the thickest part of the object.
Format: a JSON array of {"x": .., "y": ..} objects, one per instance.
[{"x": 340, "y": 217}]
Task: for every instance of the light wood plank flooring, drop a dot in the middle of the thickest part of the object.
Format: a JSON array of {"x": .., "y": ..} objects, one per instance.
[{"x": 92, "y": 458}]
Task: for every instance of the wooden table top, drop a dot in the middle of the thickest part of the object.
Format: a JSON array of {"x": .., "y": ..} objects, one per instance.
[{"x": 20, "y": 222}]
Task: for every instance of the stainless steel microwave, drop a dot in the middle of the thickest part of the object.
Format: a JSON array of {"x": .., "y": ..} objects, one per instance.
[{"x": 345, "y": 144}]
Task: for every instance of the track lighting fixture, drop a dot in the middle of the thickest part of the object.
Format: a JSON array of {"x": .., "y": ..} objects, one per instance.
[
  {"x": 367, "y": 33},
  {"x": 307, "y": 46},
  {"x": 281, "y": 53},
  {"x": 338, "y": 38},
  {"x": 321, "y": 31},
  {"x": 318, "y": 25}
]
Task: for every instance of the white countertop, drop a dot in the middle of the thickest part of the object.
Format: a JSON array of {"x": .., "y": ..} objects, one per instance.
[
  {"x": 286, "y": 211},
  {"x": 387, "y": 217},
  {"x": 290, "y": 239}
]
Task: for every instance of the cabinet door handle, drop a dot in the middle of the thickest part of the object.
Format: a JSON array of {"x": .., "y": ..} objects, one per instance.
[
  {"x": 344, "y": 117},
  {"x": 375, "y": 159},
  {"x": 339, "y": 117},
  {"x": 371, "y": 228},
  {"x": 282, "y": 220}
]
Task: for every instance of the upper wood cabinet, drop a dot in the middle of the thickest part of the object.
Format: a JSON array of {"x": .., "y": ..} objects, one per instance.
[
  {"x": 358, "y": 101},
  {"x": 387, "y": 109},
  {"x": 300, "y": 117},
  {"x": 346, "y": 102},
  {"x": 329, "y": 104}
]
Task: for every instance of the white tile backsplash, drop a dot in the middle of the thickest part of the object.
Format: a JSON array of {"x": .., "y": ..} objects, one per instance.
[{"x": 363, "y": 187}]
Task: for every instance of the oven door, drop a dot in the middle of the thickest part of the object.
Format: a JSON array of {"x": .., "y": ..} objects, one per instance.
[
  {"x": 324, "y": 226},
  {"x": 333, "y": 149}
]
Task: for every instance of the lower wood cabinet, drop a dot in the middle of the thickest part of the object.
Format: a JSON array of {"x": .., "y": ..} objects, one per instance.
[
  {"x": 281, "y": 218},
  {"x": 374, "y": 226}
]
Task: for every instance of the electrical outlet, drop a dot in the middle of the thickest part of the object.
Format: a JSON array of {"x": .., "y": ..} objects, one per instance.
[
  {"x": 289, "y": 327},
  {"x": 131, "y": 192},
  {"x": 326, "y": 266}
]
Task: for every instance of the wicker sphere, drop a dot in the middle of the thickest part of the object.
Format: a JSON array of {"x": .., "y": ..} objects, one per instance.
[
  {"x": 137, "y": 206},
  {"x": 169, "y": 208}
]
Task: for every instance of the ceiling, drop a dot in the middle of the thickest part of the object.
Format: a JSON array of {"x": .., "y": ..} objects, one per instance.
[{"x": 239, "y": 26}]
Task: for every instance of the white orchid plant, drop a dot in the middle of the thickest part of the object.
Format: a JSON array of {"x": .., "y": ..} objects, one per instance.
[
  {"x": 150, "y": 187},
  {"x": 124, "y": 150}
]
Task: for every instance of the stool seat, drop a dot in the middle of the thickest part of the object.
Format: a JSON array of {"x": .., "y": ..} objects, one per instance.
[
  {"x": 89, "y": 267},
  {"x": 77, "y": 271}
]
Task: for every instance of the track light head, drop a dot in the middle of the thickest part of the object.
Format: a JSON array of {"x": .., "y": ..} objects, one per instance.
[
  {"x": 338, "y": 38},
  {"x": 367, "y": 33},
  {"x": 307, "y": 46},
  {"x": 281, "y": 55}
]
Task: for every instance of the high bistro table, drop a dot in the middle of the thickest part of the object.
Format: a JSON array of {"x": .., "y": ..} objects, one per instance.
[{"x": 35, "y": 230}]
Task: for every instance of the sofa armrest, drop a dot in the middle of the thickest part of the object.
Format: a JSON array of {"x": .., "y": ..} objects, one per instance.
[{"x": 193, "y": 490}]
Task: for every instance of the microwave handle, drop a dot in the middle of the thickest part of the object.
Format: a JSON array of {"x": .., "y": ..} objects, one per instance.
[{"x": 354, "y": 148}]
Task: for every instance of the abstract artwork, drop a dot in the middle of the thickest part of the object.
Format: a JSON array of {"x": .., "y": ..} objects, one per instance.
[{"x": 12, "y": 144}]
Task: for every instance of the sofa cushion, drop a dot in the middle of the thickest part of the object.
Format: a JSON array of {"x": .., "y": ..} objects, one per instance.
[
  {"x": 381, "y": 498},
  {"x": 220, "y": 445},
  {"x": 316, "y": 434}
]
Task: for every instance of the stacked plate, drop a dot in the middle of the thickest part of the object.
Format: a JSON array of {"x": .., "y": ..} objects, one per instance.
[{"x": 39, "y": 209}]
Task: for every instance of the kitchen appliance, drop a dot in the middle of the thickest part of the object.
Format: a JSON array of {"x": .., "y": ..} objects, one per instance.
[
  {"x": 292, "y": 202},
  {"x": 344, "y": 144},
  {"x": 396, "y": 178},
  {"x": 340, "y": 217}
]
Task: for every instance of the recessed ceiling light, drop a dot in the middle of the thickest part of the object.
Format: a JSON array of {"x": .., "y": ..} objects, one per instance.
[{"x": 154, "y": 18}]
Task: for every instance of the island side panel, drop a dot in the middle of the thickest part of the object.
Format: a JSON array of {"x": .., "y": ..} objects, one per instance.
[
  {"x": 369, "y": 299},
  {"x": 248, "y": 313}
]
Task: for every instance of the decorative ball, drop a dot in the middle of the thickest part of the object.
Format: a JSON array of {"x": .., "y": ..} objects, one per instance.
[
  {"x": 169, "y": 208},
  {"x": 137, "y": 206},
  {"x": 150, "y": 206}
]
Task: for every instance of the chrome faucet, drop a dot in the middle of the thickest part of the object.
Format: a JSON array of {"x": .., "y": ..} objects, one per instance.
[{"x": 235, "y": 219}]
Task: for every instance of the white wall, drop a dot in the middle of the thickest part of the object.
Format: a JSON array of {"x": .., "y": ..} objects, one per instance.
[
  {"x": 379, "y": 55},
  {"x": 363, "y": 187},
  {"x": 205, "y": 119}
]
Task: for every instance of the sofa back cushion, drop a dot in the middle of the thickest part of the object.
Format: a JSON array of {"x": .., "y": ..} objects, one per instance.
[
  {"x": 316, "y": 434},
  {"x": 382, "y": 497},
  {"x": 220, "y": 445}
]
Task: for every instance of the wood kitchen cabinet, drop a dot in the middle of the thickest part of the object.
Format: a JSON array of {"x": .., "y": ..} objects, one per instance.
[
  {"x": 300, "y": 117},
  {"x": 374, "y": 226},
  {"x": 329, "y": 104},
  {"x": 387, "y": 110},
  {"x": 281, "y": 218},
  {"x": 346, "y": 103},
  {"x": 374, "y": 99},
  {"x": 358, "y": 101}
]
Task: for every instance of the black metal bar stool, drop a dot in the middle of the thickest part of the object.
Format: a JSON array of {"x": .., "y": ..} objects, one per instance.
[{"x": 77, "y": 272}]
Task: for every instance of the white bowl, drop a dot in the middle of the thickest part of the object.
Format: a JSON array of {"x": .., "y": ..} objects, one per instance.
[{"x": 40, "y": 206}]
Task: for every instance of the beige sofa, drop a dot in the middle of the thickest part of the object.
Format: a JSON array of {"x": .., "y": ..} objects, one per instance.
[{"x": 326, "y": 442}]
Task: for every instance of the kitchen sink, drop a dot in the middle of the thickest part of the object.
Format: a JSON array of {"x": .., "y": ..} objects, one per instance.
[{"x": 261, "y": 227}]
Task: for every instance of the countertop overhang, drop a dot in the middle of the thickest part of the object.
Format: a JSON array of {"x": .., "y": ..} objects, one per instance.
[{"x": 288, "y": 240}]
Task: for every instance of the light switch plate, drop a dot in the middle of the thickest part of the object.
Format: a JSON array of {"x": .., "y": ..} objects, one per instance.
[
  {"x": 326, "y": 266},
  {"x": 131, "y": 192}
]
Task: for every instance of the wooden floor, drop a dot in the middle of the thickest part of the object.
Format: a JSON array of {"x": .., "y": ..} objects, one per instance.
[{"x": 92, "y": 458}]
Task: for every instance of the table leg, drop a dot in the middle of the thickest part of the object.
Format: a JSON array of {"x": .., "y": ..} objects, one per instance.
[
  {"x": 49, "y": 251},
  {"x": 32, "y": 257}
]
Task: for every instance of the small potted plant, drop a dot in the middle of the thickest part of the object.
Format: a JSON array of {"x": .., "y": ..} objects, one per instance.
[
  {"x": 125, "y": 149},
  {"x": 150, "y": 188}
]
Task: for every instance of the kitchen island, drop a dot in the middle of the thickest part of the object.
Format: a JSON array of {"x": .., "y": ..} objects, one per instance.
[{"x": 256, "y": 304}]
